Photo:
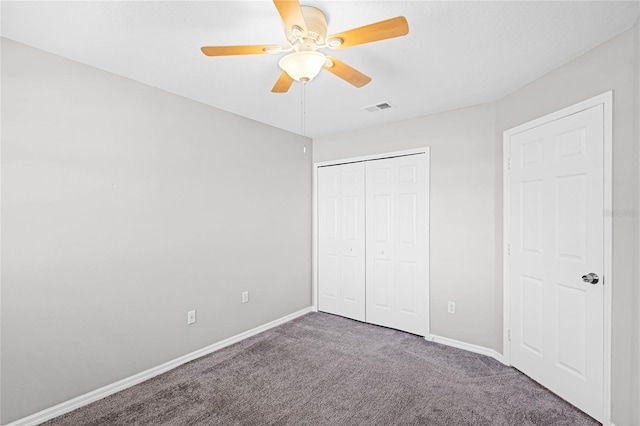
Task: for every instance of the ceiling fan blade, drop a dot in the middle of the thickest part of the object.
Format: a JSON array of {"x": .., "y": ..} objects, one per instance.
[
  {"x": 345, "y": 72},
  {"x": 394, "y": 27},
  {"x": 235, "y": 50},
  {"x": 283, "y": 83},
  {"x": 291, "y": 14}
]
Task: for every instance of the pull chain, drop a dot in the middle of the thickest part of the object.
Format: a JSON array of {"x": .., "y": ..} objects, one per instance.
[{"x": 303, "y": 116}]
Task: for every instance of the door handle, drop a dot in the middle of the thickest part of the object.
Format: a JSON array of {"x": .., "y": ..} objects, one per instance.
[{"x": 591, "y": 278}]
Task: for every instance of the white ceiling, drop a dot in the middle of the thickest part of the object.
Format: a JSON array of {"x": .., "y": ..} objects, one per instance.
[{"x": 457, "y": 54}]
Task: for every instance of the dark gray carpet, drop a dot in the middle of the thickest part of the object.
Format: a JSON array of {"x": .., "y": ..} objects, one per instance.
[{"x": 322, "y": 369}]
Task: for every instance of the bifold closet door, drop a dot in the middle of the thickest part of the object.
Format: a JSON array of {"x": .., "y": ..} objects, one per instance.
[
  {"x": 341, "y": 240},
  {"x": 396, "y": 260}
]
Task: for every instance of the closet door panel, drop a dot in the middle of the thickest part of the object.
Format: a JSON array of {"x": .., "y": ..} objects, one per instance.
[
  {"x": 341, "y": 240},
  {"x": 396, "y": 237}
]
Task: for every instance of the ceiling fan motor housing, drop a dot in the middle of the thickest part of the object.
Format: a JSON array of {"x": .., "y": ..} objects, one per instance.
[{"x": 316, "y": 33}]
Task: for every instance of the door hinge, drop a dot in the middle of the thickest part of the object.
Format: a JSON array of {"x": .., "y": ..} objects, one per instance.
[
  {"x": 508, "y": 249},
  {"x": 509, "y": 163},
  {"x": 509, "y": 334}
]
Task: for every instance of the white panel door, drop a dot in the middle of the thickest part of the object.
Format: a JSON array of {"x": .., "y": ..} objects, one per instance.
[
  {"x": 396, "y": 243},
  {"x": 556, "y": 204},
  {"x": 341, "y": 240}
]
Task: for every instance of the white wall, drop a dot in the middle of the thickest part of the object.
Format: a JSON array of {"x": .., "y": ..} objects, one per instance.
[
  {"x": 462, "y": 234},
  {"x": 123, "y": 207},
  {"x": 466, "y": 199}
]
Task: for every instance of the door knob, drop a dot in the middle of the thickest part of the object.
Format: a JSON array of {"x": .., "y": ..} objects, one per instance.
[
  {"x": 591, "y": 278},
  {"x": 381, "y": 251}
]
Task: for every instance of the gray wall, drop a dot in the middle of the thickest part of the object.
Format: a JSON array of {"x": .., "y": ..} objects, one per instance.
[
  {"x": 123, "y": 207},
  {"x": 610, "y": 66},
  {"x": 462, "y": 211},
  {"x": 466, "y": 199}
]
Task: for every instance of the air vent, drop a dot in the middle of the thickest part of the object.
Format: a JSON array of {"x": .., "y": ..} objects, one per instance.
[{"x": 378, "y": 107}]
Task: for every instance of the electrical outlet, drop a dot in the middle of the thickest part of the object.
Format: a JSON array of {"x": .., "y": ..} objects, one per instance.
[
  {"x": 245, "y": 296},
  {"x": 191, "y": 317},
  {"x": 451, "y": 307}
]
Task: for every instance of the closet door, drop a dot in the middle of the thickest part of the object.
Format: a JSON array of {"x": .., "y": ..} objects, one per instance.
[
  {"x": 396, "y": 260},
  {"x": 341, "y": 240}
]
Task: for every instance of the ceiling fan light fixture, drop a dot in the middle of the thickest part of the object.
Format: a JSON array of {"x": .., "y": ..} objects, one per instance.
[{"x": 303, "y": 66}]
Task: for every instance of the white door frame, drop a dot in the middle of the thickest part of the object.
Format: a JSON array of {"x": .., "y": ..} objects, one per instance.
[
  {"x": 314, "y": 239},
  {"x": 605, "y": 99}
]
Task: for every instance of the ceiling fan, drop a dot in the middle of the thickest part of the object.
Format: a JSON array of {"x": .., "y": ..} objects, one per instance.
[{"x": 306, "y": 33}]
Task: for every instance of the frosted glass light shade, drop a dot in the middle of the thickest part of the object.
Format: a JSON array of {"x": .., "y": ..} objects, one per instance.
[{"x": 302, "y": 66}]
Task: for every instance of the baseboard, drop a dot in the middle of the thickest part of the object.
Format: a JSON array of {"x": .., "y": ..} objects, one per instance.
[
  {"x": 467, "y": 347},
  {"x": 87, "y": 398}
]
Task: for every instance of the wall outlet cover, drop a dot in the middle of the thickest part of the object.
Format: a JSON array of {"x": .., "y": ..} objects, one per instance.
[
  {"x": 451, "y": 307},
  {"x": 191, "y": 317}
]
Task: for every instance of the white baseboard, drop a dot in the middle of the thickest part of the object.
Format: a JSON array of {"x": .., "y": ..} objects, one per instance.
[
  {"x": 87, "y": 398},
  {"x": 467, "y": 347}
]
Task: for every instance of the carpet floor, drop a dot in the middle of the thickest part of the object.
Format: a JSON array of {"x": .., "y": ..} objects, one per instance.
[{"x": 322, "y": 369}]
